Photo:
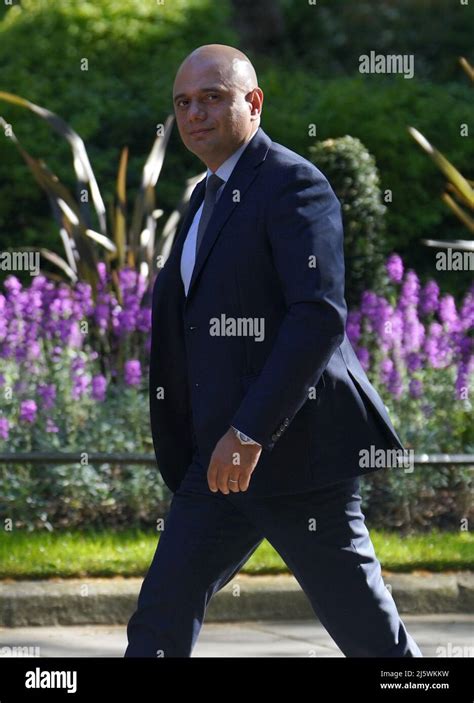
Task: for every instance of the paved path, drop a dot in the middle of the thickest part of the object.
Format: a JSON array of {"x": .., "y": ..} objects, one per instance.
[{"x": 303, "y": 638}]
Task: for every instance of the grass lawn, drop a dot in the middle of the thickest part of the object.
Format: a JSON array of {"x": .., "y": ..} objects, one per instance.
[{"x": 128, "y": 553}]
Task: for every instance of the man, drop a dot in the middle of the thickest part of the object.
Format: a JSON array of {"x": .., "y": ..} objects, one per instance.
[{"x": 259, "y": 406}]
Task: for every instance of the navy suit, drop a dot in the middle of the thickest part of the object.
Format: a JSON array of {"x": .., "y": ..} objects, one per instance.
[{"x": 272, "y": 254}]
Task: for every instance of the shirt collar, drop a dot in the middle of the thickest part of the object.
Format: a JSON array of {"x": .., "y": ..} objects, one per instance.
[{"x": 224, "y": 171}]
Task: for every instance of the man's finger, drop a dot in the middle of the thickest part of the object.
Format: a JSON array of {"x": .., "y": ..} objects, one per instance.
[
  {"x": 223, "y": 478},
  {"x": 212, "y": 475},
  {"x": 244, "y": 480},
  {"x": 234, "y": 482}
]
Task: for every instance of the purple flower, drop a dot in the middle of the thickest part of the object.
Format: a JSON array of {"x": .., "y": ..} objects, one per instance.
[
  {"x": 394, "y": 329},
  {"x": 78, "y": 364},
  {"x": 144, "y": 320},
  {"x": 369, "y": 303},
  {"x": 34, "y": 350},
  {"x": 4, "y": 427},
  {"x": 101, "y": 315},
  {"x": 448, "y": 313},
  {"x": 381, "y": 322},
  {"x": 47, "y": 393},
  {"x": 102, "y": 271},
  {"x": 467, "y": 310},
  {"x": 410, "y": 291},
  {"x": 429, "y": 298},
  {"x": 413, "y": 362},
  {"x": 132, "y": 372},
  {"x": 394, "y": 268},
  {"x": 83, "y": 298},
  {"x": 12, "y": 285},
  {"x": 127, "y": 278},
  {"x": 99, "y": 386},
  {"x": 126, "y": 322},
  {"x": 437, "y": 346},
  {"x": 80, "y": 386},
  {"x": 56, "y": 354},
  {"x": 415, "y": 388},
  {"x": 28, "y": 411},
  {"x": 394, "y": 384},
  {"x": 364, "y": 357},
  {"x": 466, "y": 349},
  {"x": 40, "y": 324},
  {"x": 413, "y": 331},
  {"x": 386, "y": 368},
  {"x": 353, "y": 327},
  {"x": 50, "y": 426}
]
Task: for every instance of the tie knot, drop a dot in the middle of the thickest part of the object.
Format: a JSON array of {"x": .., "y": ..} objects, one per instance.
[{"x": 213, "y": 183}]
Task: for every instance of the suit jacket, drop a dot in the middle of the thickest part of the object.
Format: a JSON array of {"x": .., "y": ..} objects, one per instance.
[{"x": 272, "y": 255}]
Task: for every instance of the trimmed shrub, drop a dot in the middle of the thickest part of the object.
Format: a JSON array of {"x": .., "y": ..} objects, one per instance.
[{"x": 354, "y": 177}]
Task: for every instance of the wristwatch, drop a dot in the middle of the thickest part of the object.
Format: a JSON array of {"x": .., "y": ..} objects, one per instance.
[{"x": 243, "y": 438}]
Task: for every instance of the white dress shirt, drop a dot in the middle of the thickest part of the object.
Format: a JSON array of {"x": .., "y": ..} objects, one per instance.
[{"x": 188, "y": 256}]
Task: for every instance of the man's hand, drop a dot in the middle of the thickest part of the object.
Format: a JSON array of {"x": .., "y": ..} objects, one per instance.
[{"x": 232, "y": 464}]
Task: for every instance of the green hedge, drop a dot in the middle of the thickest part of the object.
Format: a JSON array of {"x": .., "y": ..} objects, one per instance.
[{"x": 118, "y": 496}]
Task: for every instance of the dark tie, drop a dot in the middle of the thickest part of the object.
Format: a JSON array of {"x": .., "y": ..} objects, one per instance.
[{"x": 212, "y": 186}]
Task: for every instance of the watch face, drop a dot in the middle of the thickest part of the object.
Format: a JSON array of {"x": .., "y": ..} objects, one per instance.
[{"x": 245, "y": 439}]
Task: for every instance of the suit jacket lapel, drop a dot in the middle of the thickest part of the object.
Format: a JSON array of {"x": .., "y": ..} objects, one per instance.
[{"x": 240, "y": 180}]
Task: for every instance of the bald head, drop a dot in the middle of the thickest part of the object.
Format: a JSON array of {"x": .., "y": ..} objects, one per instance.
[
  {"x": 235, "y": 68},
  {"x": 217, "y": 102}
]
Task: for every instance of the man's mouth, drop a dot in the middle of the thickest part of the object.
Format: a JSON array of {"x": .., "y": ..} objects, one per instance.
[{"x": 200, "y": 131}]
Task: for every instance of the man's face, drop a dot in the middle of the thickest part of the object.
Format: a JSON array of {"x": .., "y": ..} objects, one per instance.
[{"x": 212, "y": 114}]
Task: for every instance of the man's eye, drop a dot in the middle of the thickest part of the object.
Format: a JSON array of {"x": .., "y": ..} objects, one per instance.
[{"x": 212, "y": 95}]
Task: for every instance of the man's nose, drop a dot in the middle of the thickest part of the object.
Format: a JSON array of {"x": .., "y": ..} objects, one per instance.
[{"x": 196, "y": 111}]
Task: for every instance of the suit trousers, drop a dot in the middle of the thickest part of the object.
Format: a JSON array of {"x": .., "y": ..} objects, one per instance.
[{"x": 320, "y": 534}]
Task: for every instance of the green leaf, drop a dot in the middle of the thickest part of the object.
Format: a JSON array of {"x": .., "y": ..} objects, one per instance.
[
  {"x": 445, "y": 166},
  {"x": 82, "y": 166}
]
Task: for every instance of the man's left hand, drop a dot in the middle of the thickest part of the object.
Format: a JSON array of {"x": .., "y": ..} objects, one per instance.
[{"x": 232, "y": 464}]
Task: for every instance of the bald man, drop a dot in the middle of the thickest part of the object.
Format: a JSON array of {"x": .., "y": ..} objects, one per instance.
[{"x": 259, "y": 407}]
